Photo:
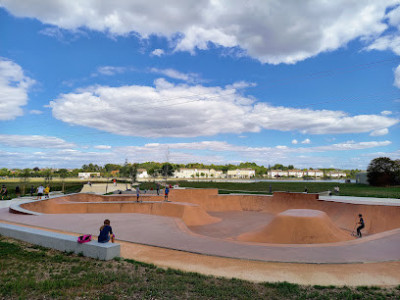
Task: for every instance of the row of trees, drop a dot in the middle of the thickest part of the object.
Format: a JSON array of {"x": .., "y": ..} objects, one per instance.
[{"x": 154, "y": 169}]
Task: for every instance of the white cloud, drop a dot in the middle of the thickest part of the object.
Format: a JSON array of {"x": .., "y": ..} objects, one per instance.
[
  {"x": 386, "y": 42},
  {"x": 386, "y": 112},
  {"x": 295, "y": 142},
  {"x": 379, "y": 132},
  {"x": 306, "y": 141},
  {"x": 35, "y": 112},
  {"x": 14, "y": 86},
  {"x": 61, "y": 154},
  {"x": 157, "y": 52},
  {"x": 189, "y": 77},
  {"x": 102, "y": 147},
  {"x": 183, "y": 110},
  {"x": 271, "y": 31},
  {"x": 397, "y": 77},
  {"x": 110, "y": 70},
  {"x": 33, "y": 141}
]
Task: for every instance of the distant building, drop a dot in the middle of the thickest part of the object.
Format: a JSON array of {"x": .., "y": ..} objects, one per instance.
[
  {"x": 362, "y": 178},
  {"x": 315, "y": 173},
  {"x": 241, "y": 173},
  {"x": 337, "y": 174},
  {"x": 296, "y": 173},
  {"x": 197, "y": 173},
  {"x": 278, "y": 173},
  {"x": 114, "y": 173},
  {"x": 142, "y": 173},
  {"x": 87, "y": 175}
]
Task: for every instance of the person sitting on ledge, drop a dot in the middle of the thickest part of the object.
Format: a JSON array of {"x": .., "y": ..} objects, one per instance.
[{"x": 106, "y": 233}]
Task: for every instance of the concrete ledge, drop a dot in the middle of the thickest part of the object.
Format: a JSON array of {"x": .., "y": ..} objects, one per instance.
[{"x": 61, "y": 242}]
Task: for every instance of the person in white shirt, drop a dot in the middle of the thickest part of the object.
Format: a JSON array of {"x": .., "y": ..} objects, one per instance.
[{"x": 40, "y": 191}]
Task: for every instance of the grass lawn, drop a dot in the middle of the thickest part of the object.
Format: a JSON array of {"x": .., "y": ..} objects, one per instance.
[
  {"x": 34, "y": 272},
  {"x": 346, "y": 189}
]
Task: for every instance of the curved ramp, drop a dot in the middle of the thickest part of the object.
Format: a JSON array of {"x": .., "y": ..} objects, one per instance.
[{"x": 298, "y": 226}]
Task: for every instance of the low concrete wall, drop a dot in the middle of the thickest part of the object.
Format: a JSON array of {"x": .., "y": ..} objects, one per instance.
[{"x": 61, "y": 242}]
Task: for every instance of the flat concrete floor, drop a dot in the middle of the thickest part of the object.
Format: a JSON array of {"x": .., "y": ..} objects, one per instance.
[{"x": 173, "y": 234}]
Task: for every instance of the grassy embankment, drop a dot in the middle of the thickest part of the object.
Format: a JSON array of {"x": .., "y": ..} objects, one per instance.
[
  {"x": 346, "y": 189},
  {"x": 73, "y": 185},
  {"x": 34, "y": 272}
]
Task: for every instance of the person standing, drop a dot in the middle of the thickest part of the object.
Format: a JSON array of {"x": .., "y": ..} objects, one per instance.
[
  {"x": 4, "y": 192},
  {"x": 40, "y": 191},
  {"x": 158, "y": 189},
  {"x": 137, "y": 194},
  {"x": 17, "y": 191},
  {"x": 32, "y": 190},
  {"x": 47, "y": 192},
  {"x": 362, "y": 225},
  {"x": 166, "y": 192}
]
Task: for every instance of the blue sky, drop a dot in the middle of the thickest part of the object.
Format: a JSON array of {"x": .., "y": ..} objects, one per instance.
[{"x": 308, "y": 83}]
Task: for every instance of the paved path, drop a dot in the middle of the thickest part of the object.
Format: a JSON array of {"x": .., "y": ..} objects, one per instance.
[
  {"x": 172, "y": 233},
  {"x": 362, "y": 200}
]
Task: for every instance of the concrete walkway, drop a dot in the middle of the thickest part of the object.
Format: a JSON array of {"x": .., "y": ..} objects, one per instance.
[
  {"x": 171, "y": 233},
  {"x": 103, "y": 188}
]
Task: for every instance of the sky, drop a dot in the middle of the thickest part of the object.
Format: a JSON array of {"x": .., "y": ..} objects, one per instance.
[{"x": 307, "y": 83}]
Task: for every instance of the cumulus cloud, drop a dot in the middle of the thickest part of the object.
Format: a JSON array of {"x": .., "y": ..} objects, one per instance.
[
  {"x": 172, "y": 73},
  {"x": 182, "y": 110},
  {"x": 295, "y": 142},
  {"x": 397, "y": 77},
  {"x": 271, "y": 31},
  {"x": 306, "y": 141},
  {"x": 34, "y": 141},
  {"x": 157, "y": 52},
  {"x": 387, "y": 42},
  {"x": 14, "y": 86},
  {"x": 379, "y": 132},
  {"x": 60, "y": 154}
]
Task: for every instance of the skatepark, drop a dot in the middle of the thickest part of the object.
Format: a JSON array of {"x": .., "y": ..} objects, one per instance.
[{"x": 294, "y": 234}]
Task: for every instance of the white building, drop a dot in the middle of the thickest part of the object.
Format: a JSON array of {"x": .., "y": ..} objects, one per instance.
[
  {"x": 241, "y": 173},
  {"x": 87, "y": 175},
  {"x": 296, "y": 173},
  {"x": 337, "y": 174},
  {"x": 142, "y": 173},
  {"x": 278, "y": 173},
  {"x": 315, "y": 173},
  {"x": 197, "y": 173}
]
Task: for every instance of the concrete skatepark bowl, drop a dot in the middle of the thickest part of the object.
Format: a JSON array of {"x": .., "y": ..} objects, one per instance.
[{"x": 285, "y": 227}]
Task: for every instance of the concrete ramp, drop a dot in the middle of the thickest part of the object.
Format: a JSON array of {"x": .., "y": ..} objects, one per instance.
[{"x": 298, "y": 226}]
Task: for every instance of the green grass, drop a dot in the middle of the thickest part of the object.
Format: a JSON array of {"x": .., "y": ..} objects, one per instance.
[
  {"x": 346, "y": 189},
  {"x": 31, "y": 272},
  {"x": 70, "y": 187}
]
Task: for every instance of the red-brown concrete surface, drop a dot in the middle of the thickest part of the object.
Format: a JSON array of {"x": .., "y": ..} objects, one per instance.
[{"x": 200, "y": 221}]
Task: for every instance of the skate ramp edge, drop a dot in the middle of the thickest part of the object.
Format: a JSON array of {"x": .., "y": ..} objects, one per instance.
[{"x": 298, "y": 226}]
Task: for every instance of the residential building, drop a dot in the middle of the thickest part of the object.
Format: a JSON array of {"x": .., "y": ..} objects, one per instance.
[
  {"x": 87, "y": 175},
  {"x": 241, "y": 173}
]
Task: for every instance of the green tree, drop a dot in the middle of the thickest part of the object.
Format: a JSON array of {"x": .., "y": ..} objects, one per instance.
[
  {"x": 167, "y": 169},
  {"x": 383, "y": 171}
]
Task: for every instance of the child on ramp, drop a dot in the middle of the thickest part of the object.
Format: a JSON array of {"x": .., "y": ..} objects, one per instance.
[
  {"x": 106, "y": 233},
  {"x": 362, "y": 225}
]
